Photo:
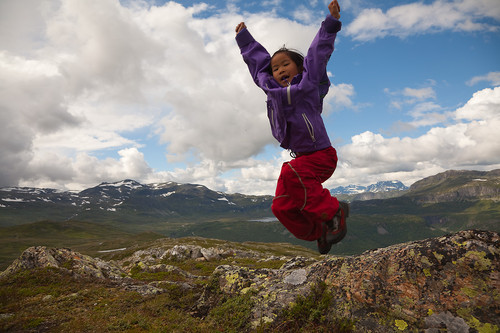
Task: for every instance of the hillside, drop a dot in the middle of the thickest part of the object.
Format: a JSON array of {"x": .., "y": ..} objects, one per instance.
[
  {"x": 453, "y": 185},
  {"x": 440, "y": 284}
]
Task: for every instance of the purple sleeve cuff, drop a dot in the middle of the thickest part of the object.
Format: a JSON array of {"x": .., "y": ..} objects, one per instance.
[
  {"x": 244, "y": 38},
  {"x": 332, "y": 25}
]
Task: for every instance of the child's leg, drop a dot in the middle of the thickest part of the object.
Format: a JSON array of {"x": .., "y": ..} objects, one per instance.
[
  {"x": 287, "y": 208},
  {"x": 301, "y": 203},
  {"x": 313, "y": 170}
]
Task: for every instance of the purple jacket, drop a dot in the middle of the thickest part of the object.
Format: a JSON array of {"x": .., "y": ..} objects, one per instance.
[{"x": 295, "y": 111}]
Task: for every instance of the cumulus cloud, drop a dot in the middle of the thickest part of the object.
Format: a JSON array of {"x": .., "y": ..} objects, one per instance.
[
  {"x": 340, "y": 95},
  {"x": 419, "y": 18},
  {"x": 483, "y": 106},
  {"x": 470, "y": 143},
  {"x": 84, "y": 170},
  {"x": 73, "y": 84}
]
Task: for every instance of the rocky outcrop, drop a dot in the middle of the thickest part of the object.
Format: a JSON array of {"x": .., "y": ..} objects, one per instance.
[
  {"x": 80, "y": 265},
  {"x": 151, "y": 256},
  {"x": 451, "y": 282}
]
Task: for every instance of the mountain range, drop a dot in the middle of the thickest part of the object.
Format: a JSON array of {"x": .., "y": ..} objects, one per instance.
[
  {"x": 165, "y": 200},
  {"x": 384, "y": 186},
  {"x": 111, "y": 215},
  {"x": 127, "y": 201}
]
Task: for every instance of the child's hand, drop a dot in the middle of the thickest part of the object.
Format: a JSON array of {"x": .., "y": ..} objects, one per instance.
[
  {"x": 240, "y": 27},
  {"x": 334, "y": 9}
]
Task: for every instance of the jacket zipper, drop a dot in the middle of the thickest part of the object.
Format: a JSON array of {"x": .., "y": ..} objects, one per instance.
[
  {"x": 289, "y": 94},
  {"x": 309, "y": 126}
]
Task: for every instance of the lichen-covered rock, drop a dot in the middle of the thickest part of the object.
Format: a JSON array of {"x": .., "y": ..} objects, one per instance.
[
  {"x": 81, "y": 265},
  {"x": 457, "y": 274},
  {"x": 143, "y": 289},
  {"x": 452, "y": 281},
  {"x": 154, "y": 255},
  {"x": 183, "y": 252}
]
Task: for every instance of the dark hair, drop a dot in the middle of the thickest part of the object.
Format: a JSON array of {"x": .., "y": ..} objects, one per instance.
[{"x": 295, "y": 55}]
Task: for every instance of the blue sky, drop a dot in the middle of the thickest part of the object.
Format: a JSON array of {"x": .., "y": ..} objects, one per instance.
[{"x": 103, "y": 90}]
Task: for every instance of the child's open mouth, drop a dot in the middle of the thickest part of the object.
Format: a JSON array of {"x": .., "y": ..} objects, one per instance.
[{"x": 285, "y": 79}]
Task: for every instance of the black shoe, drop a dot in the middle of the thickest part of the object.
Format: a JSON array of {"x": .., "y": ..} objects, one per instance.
[
  {"x": 339, "y": 225},
  {"x": 324, "y": 246},
  {"x": 334, "y": 230}
]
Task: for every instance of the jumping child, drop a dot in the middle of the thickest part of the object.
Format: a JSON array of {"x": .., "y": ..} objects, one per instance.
[{"x": 295, "y": 87}]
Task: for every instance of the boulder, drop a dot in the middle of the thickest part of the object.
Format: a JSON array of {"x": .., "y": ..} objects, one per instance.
[{"x": 451, "y": 281}]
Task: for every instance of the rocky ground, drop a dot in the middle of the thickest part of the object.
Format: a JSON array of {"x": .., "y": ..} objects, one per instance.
[{"x": 451, "y": 282}]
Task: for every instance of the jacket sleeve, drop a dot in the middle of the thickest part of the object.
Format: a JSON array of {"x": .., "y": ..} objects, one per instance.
[
  {"x": 255, "y": 56},
  {"x": 320, "y": 51}
]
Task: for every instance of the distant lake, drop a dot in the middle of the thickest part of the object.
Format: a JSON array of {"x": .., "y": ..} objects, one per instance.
[{"x": 265, "y": 219}]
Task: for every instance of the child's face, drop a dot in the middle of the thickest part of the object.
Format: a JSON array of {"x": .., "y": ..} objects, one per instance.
[{"x": 284, "y": 69}]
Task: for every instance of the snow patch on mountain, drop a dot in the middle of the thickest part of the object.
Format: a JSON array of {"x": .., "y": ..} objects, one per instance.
[{"x": 383, "y": 186}]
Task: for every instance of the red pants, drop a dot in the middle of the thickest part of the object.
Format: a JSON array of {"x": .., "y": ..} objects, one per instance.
[{"x": 301, "y": 203}]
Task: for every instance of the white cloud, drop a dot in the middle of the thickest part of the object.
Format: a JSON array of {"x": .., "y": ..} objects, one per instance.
[
  {"x": 492, "y": 77},
  {"x": 470, "y": 143},
  {"x": 340, "y": 95},
  {"x": 424, "y": 111},
  {"x": 420, "y": 94},
  {"x": 72, "y": 86},
  {"x": 422, "y": 108},
  {"x": 52, "y": 170},
  {"x": 483, "y": 106},
  {"x": 419, "y": 18},
  {"x": 304, "y": 14}
]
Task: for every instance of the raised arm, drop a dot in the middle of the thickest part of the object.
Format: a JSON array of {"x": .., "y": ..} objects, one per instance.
[
  {"x": 322, "y": 46},
  {"x": 254, "y": 54}
]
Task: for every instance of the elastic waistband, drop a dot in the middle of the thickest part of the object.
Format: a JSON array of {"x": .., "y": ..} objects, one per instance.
[{"x": 296, "y": 154}]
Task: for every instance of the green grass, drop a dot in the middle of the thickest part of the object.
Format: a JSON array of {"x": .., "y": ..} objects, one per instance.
[
  {"x": 233, "y": 314},
  {"x": 312, "y": 313}
]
